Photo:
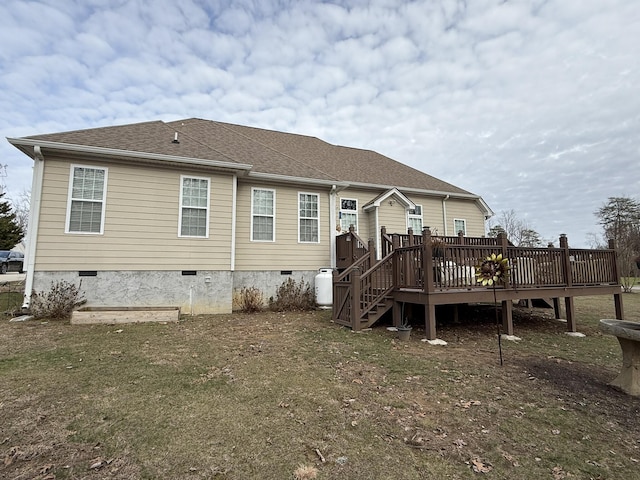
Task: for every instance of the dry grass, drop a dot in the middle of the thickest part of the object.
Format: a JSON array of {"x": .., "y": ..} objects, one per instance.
[{"x": 281, "y": 396}]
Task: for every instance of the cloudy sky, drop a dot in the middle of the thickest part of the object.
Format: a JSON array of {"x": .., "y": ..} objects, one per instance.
[{"x": 532, "y": 104}]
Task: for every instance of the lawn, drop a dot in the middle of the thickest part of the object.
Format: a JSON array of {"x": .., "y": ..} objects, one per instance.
[{"x": 260, "y": 396}]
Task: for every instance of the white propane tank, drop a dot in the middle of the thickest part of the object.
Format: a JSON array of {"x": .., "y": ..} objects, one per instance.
[{"x": 324, "y": 288}]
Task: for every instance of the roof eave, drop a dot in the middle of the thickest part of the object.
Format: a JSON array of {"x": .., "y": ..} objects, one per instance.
[
  {"x": 422, "y": 191},
  {"x": 298, "y": 180},
  {"x": 391, "y": 192},
  {"x": 23, "y": 144}
]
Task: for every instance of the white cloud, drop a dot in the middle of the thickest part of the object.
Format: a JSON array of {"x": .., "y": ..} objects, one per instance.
[{"x": 539, "y": 92}]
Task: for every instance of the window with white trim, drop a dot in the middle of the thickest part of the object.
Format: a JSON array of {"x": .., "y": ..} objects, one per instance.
[
  {"x": 263, "y": 215},
  {"x": 459, "y": 225},
  {"x": 194, "y": 207},
  {"x": 86, "y": 201},
  {"x": 414, "y": 220},
  {"x": 348, "y": 214},
  {"x": 308, "y": 218}
]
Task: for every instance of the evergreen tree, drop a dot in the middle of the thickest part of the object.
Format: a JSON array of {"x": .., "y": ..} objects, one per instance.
[{"x": 10, "y": 231}]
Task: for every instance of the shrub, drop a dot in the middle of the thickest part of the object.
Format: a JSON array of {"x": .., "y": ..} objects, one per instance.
[
  {"x": 293, "y": 296},
  {"x": 58, "y": 303},
  {"x": 251, "y": 300}
]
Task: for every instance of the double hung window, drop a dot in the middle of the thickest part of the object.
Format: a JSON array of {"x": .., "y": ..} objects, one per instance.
[
  {"x": 86, "y": 201},
  {"x": 308, "y": 218},
  {"x": 460, "y": 225},
  {"x": 348, "y": 214},
  {"x": 194, "y": 207},
  {"x": 415, "y": 219},
  {"x": 263, "y": 213}
]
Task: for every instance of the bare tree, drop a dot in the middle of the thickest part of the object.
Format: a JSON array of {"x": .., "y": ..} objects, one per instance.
[
  {"x": 518, "y": 231},
  {"x": 21, "y": 207}
]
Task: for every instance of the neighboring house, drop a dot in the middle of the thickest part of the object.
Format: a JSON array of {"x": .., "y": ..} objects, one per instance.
[{"x": 183, "y": 213}]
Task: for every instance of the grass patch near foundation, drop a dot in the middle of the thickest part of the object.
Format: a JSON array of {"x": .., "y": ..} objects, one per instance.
[{"x": 264, "y": 395}]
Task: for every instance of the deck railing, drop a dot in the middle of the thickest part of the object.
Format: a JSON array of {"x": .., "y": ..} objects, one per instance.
[
  {"x": 455, "y": 266},
  {"x": 412, "y": 238},
  {"x": 428, "y": 264}
]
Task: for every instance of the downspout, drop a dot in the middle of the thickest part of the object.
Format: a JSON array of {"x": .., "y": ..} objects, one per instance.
[
  {"x": 377, "y": 235},
  {"x": 444, "y": 214},
  {"x": 234, "y": 198},
  {"x": 34, "y": 220},
  {"x": 332, "y": 224}
]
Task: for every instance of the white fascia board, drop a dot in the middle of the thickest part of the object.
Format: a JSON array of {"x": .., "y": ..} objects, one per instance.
[
  {"x": 391, "y": 192},
  {"x": 271, "y": 177},
  {"x": 436, "y": 193},
  {"x": 111, "y": 152},
  {"x": 488, "y": 213}
]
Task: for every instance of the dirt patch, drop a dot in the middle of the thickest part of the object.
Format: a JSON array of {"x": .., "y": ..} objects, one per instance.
[
  {"x": 580, "y": 384},
  {"x": 50, "y": 447}
]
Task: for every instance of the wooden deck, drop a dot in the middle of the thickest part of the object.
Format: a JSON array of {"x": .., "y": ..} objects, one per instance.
[{"x": 430, "y": 271}]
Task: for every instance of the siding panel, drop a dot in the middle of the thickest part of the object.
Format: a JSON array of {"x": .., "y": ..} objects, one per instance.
[
  {"x": 141, "y": 223},
  {"x": 286, "y": 253}
]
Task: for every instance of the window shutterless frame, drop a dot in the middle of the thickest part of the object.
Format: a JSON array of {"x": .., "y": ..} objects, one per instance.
[
  {"x": 460, "y": 224},
  {"x": 195, "y": 198},
  {"x": 414, "y": 219},
  {"x": 308, "y": 217},
  {"x": 86, "y": 200},
  {"x": 348, "y": 214},
  {"x": 263, "y": 215}
]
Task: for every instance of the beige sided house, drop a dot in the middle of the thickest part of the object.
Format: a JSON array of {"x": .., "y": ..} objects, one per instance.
[{"x": 182, "y": 213}]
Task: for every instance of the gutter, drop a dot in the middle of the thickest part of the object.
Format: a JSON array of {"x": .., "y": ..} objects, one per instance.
[
  {"x": 112, "y": 152},
  {"x": 34, "y": 221}
]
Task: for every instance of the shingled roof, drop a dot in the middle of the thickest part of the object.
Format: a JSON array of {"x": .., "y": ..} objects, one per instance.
[{"x": 267, "y": 151}]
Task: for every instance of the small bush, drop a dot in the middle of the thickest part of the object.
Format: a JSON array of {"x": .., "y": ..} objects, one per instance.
[
  {"x": 58, "y": 303},
  {"x": 251, "y": 300},
  {"x": 293, "y": 296}
]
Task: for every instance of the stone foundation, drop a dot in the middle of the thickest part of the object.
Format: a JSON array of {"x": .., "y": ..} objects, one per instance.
[{"x": 206, "y": 292}]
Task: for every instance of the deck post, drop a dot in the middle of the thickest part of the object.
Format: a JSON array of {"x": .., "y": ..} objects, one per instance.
[
  {"x": 384, "y": 249},
  {"x": 397, "y": 313},
  {"x": 556, "y": 308},
  {"x": 503, "y": 241},
  {"x": 411, "y": 240},
  {"x": 395, "y": 243},
  {"x": 427, "y": 261},
  {"x": 568, "y": 301},
  {"x": 371, "y": 245},
  {"x": 617, "y": 297},
  {"x": 507, "y": 317},
  {"x": 428, "y": 285},
  {"x": 564, "y": 245},
  {"x": 571, "y": 314},
  {"x": 355, "y": 299},
  {"x": 430, "y": 321},
  {"x": 352, "y": 245},
  {"x": 460, "y": 237},
  {"x": 334, "y": 307}
]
